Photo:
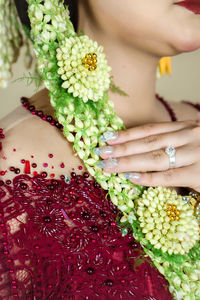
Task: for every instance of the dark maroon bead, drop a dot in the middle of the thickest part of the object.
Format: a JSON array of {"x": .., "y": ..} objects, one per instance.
[
  {"x": 94, "y": 228},
  {"x": 54, "y": 182},
  {"x": 62, "y": 177},
  {"x": 24, "y": 100},
  {"x": 31, "y": 107},
  {"x": 1, "y": 183},
  {"x": 47, "y": 219},
  {"x": 34, "y": 165},
  {"x": 73, "y": 174},
  {"x": 51, "y": 187},
  {"x": 97, "y": 185},
  {"x": 57, "y": 125},
  {"x": 102, "y": 214},
  {"x": 40, "y": 113},
  {"x": 23, "y": 186},
  {"x": 90, "y": 271},
  {"x": 49, "y": 119},
  {"x": 44, "y": 174},
  {"x": 8, "y": 181},
  {"x": 85, "y": 175},
  {"x": 53, "y": 123},
  {"x": 17, "y": 171},
  {"x": 85, "y": 215},
  {"x": 109, "y": 282},
  {"x": 12, "y": 169}
]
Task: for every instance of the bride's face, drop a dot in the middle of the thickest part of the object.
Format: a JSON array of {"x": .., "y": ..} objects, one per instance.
[{"x": 158, "y": 26}]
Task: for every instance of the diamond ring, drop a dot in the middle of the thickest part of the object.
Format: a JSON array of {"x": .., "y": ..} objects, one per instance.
[{"x": 171, "y": 151}]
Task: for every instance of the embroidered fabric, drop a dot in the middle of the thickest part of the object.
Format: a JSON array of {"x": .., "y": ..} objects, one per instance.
[{"x": 61, "y": 241}]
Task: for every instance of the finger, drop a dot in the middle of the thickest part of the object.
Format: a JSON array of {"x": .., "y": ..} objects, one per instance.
[
  {"x": 147, "y": 144},
  {"x": 151, "y": 161},
  {"x": 172, "y": 177},
  {"x": 147, "y": 130}
]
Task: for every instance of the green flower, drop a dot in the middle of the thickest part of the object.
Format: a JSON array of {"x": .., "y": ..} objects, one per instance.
[
  {"x": 83, "y": 68},
  {"x": 167, "y": 221}
]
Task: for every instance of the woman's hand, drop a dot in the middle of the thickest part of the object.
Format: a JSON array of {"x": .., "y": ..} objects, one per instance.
[{"x": 140, "y": 153}]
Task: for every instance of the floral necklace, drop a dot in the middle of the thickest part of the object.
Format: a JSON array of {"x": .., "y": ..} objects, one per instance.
[{"x": 75, "y": 71}]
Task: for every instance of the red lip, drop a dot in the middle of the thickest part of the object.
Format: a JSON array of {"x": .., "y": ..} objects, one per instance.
[{"x": 192, "y": 5}]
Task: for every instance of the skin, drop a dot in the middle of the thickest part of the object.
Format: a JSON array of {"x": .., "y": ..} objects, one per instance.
[{"x": 135, "y": 36}]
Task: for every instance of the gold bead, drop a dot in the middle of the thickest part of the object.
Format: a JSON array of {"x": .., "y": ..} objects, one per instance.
[{"x": 90, "y": 61}]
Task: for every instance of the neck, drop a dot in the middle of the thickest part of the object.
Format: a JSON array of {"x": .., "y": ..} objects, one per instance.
[{"x": 133, "y": 70}]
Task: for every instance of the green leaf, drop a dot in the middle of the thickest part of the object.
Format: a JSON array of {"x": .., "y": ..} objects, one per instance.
[{"x": 115, "y": 89}]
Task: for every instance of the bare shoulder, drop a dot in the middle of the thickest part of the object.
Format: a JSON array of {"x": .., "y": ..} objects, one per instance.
[
  {"x": 184, "y": 111},
  {"x": 33, "y": 140}
]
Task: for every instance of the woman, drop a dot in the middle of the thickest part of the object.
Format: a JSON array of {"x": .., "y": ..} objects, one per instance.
[{"x": 60, "y": 239}]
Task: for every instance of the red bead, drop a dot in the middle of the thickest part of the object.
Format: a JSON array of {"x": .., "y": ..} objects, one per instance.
[
  {"x": 80, "y": 168},
  {"x": 45, "y": 165},
  {"x": 35, "y": 173},
  {"x": 52, "y": 175},
  {"x": 2, "y": 173},
  {"x": 23, "y": 161},
  {"x": 50, "y": 155},
  {"x": 14, "y": 150},
  {"x": 27, "y": 168},
  {"x": 62, "y": 165}
]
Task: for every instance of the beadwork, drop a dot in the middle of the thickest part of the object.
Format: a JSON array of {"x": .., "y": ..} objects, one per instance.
[{"x": 90, "y": 61}]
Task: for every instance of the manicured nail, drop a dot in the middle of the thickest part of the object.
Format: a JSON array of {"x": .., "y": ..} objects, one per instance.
[
  {"x": 110, "y": 163},
  {"x": 103, "y": 150},
  {"x": 109, "y": 136},
  {"x": 132, "y": 176}
]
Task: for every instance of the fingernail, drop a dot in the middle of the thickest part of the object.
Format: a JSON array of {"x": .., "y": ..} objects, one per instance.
[
  {"x": 109, "y": 163},
  {"x": 108, "y": 136},
  {"x": 132, "y": 176},
  {"x": 103, "y": 150}
]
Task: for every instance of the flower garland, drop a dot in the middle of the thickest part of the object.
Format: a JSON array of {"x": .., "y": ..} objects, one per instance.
[
  {"x": 12, "y": 37},
  {"x": 75, "y": 71}
]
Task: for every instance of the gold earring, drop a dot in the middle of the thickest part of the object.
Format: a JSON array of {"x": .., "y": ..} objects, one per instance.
[{"x": 165, "y": 66}]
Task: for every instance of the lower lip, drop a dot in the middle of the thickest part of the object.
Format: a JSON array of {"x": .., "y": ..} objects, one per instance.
[{"x": 193, "y": 6}]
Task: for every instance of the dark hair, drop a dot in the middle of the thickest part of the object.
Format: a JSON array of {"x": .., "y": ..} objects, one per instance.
[{"x": 22, "y": 7}]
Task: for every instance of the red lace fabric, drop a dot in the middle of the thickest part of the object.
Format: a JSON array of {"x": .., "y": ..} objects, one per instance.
[{"x": 61, "y": 241}]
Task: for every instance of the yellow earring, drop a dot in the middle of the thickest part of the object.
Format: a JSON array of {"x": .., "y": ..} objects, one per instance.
[{"x": 165, "y": 66}]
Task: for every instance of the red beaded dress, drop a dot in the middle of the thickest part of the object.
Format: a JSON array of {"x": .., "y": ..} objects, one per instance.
[{"x": 60, "y": 238}]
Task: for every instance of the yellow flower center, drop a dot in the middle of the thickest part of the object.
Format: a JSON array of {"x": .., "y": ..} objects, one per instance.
[
  {"x": 172, "y": 212},
  {"x": 90, "y": 61}
]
